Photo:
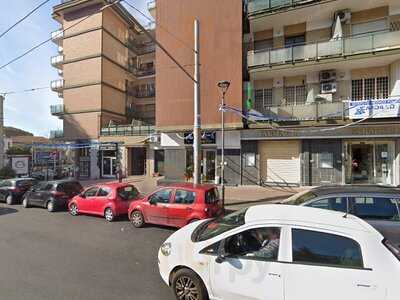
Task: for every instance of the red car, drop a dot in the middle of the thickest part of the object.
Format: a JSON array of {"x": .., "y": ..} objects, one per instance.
[
  {"x": 108, "y": 200},
  {"x": 176, "y": 205}
]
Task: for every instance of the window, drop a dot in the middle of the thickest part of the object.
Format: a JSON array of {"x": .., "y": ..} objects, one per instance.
[
  {"x": 325, "y": 249},
  {"x": 263, "y": 44},
  {"x": 128, "y": 193},
  {"x": 295, "y": 95},
  {"x": 104, "y": 192},
  {"x": 375, "y": 208},
  {"x": 325, "y": 160},
  {"x": 295, "y": 40},
  {"x": 263, "y": 99},
  {"x": 26, "y": 183},
  {"x": 249, "y": 159},
  {"x": 6, "y": 183},
  {"x": 162, "y": 196},
  {"x": 259, "y": 243},
  {"x": 91, "y": 192},
  {"x": 212, "y": 196},
  {"x": 184, "y": 197},
  {"x": 370, "y": 88},
  {"x": 216, "y": 227},
  {"x": 72, "y": 188},
  {"x": 333, "y": 203}
]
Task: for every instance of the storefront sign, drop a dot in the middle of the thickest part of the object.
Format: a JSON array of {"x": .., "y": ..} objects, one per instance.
[
  {"x": 348, "y": 132},
  {"x": 108, "y": 147},
  {"x": 380, "y": 108}
]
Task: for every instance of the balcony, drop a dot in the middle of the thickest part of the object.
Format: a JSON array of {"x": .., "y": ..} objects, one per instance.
[
  {"x": 57, "y": 110},
  {"x": 142, "y": 91},
  {"x": 57, "y": 36},
  {"x": 57, "y": 85},
  {"x": 57, "y": 61},
  {"x": 362, "y": 44},
  {"x": 141, "y": 47},
  {"x": 261, "y": 6},
  {"x": 56, "y": 134},
  {"x": 305, "y": 112},
  {"x": 142, "y": 72},
  {"x": 128, "y": 130}
]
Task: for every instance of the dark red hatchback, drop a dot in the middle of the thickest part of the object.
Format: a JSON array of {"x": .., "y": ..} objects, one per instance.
[{"x": 176, "y": 205}]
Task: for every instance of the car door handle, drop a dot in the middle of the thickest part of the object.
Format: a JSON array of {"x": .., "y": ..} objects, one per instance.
[
  {"x": 274, "y": 274},
  {"x": 363, "y": 285}
]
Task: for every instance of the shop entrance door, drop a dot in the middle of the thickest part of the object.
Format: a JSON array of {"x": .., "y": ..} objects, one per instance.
[
  {"x": 370, "y": 163},
  {"x": 209, "y": 163},
  {"x": 109, "y": 166},
  {"x": 138, "y": 161}
]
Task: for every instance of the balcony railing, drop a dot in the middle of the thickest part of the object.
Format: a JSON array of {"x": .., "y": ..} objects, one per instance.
[
  {"x": 57, "y": 61},
  {"x": 57, "y": 36},
  {"x": 56, "y": 134},
  {"x": 57, "y": 110},
  {"x": 128, "y": 130},
  {"x": 360, "y": 44},
  {"x": 57, "y": 85},
  {"x": 142, "y": 91},
  {"x": 141, "y": 47},
  {"x": 142, "y": 72},
  {"x": 306, "y": 112},
  {"x": 256, "y": 6}
]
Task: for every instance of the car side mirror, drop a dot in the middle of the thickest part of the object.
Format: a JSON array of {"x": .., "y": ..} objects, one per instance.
[
  {"x": 82, "y": 195},
  {"x": 153, "y": 201}
]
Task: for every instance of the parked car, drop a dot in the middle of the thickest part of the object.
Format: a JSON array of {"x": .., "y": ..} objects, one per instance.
[
  {"x": 176, "y": 205},
  {"x": 108, "y": 200},
  {"x": 291, "y": 252},
  {"x": 53, "y": 195},
  {"x": 12, "y": 190},
  {"x": 370, "y": 202}
]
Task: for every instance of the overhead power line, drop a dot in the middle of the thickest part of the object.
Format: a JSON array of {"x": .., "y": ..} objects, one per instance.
[
  {"x": 49, "y": 39},
  {"x": 24, "y": 91},
  {"x": 24, "y": 18}
]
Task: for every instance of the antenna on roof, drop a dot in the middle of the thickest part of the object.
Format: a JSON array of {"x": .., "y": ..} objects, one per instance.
[{"x": 347, "y": 207}]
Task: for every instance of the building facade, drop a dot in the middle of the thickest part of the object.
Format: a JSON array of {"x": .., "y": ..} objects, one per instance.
[
  {"x": 106, "y": 85},
  {"x": 3, "y": 143},
  {"x": 318, "y": 93}
]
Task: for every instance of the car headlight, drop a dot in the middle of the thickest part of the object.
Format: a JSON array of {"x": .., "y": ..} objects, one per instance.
[{"x": 166, "y": 249}]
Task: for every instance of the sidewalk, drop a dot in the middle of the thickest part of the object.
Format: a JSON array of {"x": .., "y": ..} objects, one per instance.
[{"x": 235, "y": 197}]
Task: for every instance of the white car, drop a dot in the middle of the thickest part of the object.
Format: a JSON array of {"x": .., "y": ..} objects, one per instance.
[{"x": 281, "y": 252}]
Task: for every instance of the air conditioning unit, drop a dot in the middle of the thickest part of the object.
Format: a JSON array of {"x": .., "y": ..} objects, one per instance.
[
  {"x": 154, "y": 139},
  {"x": 324, "y": 98},
  {"x": 327, "y": 76},
  {"x": 344, "y": 15},
  {"x": 328, "y": 87}
]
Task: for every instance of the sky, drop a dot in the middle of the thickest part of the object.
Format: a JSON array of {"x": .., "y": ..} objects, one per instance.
[{"x": 31, "y": 111}]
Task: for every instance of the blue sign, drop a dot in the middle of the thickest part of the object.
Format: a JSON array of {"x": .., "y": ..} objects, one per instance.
[{"x": 377, "y": 108}]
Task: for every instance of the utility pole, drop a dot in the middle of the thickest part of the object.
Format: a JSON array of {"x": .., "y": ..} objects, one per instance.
[{"x": 197, "y": 121}]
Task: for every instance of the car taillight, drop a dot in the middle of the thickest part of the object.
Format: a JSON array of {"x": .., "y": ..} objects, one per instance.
[{"x": 392, "y": 248}]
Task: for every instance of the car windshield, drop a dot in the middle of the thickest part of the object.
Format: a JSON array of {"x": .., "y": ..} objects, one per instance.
[
  {"x": 218, "y": 226},
  {"x": 300, "y": 198},
  {"x": 381, "y": 208},
  {"x": 128, "y": 192}
]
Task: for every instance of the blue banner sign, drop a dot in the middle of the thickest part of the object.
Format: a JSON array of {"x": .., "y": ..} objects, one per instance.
[{"x": 377, "y": 108}]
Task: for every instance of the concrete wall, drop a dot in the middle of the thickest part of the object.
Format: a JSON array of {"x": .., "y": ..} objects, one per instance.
[{"x": 250, "y": 175}]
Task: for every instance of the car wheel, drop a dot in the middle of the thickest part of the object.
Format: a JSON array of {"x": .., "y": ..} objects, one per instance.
[
  {"x": 25, "y": 202},
  {"x": 9, "y": 200},
  {"x": 73, "y": 209},
  {"x": 50, "y": 206},
  {"x": 188, "y": 285},
  {"x": 109, "y": 214},
  {"x": 137, "y": 219}
]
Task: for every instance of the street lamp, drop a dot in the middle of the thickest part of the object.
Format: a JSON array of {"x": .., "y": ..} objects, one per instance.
[{"x": 223, "y": 86}]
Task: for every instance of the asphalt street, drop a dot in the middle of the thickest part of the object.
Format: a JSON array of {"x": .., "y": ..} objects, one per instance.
[{"x": 57, "y": 256}]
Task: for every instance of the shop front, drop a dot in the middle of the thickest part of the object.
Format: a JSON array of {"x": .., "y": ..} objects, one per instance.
[
  {"x": 370, "y": 161},
  {"x": 109, "y": 160}
]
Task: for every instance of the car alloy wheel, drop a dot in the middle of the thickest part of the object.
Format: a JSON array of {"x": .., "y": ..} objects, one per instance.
[
  {"x": 137, "y": 219},
  {"x": 73, "y": 209},
  {"x": 109, "y": 215},
  {"x": 185, "y": 288},
  {"x": 50, "y": 206}
]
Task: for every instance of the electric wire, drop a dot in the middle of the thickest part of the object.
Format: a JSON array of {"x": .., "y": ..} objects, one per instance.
[{"x": 23, "y": 18}]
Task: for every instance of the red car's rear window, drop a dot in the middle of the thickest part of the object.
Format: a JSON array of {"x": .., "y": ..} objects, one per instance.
[
  {"x": 212, "y": 196},
  {"x": 128, "y": 192}
]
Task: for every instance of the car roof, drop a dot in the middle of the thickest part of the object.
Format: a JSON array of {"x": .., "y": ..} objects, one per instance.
[
  {"x": 188, "y": 185},
  {"x": 113, "y": 184},
  {"x": 354, "y": 188},
  {"x": 303, "y": 214}
]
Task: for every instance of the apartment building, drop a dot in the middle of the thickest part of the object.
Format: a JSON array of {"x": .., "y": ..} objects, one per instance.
[
  {"x": 106, "y": 87},
  {"x": 318, "y": 80},
  {"x": 2, "y": 135}
]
